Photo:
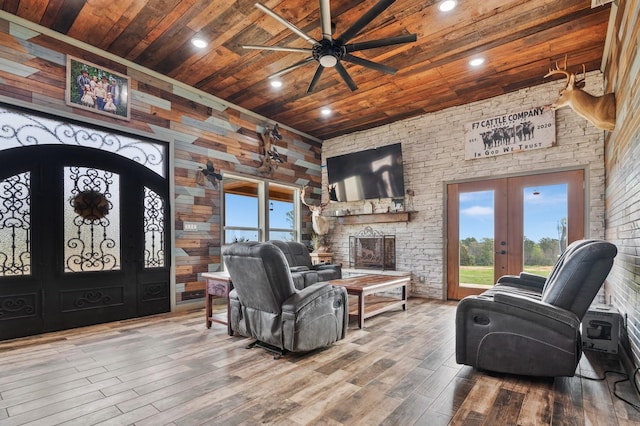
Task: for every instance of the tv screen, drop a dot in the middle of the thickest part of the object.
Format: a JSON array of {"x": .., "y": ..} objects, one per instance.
[{"x": 368, "y": 174}]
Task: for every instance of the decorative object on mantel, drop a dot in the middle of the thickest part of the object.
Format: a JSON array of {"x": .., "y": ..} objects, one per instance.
[
  {"x": 408, "y": 206},
  {"x": 387, "y": 217},
  {"x": 270, "y": 156},
  {"x": 320, "y": 223},
  {"x": 210, "y": 174},
  {"x": 598, "y": 110}
]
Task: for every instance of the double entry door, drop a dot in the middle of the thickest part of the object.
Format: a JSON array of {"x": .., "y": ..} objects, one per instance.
[
  {"x": 82, "y": 239},
  {"x": 504, "y": 226}
]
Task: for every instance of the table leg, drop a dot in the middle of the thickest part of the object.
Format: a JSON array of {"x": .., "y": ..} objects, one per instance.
[
  {"x": 404, "y": 297},
  {"x": 208, "y": 309},
  {"x": 361, "y": 309},
  {"x": 229, "y": 329}
]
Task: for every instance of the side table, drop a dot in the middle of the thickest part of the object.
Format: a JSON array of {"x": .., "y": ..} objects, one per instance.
[
  {"x": 318, "y": 258},
  {"x": 218, "y": 286}
]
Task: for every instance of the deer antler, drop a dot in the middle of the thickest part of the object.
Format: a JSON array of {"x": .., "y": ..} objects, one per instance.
[
  {"x": 562, "y": 71},
  {"x": 580, "y": 82},
  {"x": 303, "y": 194}
]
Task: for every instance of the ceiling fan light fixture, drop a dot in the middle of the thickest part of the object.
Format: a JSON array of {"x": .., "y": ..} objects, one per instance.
[
  {"x": 447, "y": 5},
  {"x": 328, "y": 61}
]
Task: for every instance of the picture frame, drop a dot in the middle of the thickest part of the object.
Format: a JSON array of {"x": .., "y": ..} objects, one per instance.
[{"x": 97, "y": 89}]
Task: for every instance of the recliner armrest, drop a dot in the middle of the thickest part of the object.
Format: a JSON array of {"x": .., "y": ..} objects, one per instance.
[
  {"x": 524, "y": 280},
  {"x": 305, "y": 296},
  {"x": 298, "y": 268},
  {"x": 537, "y": 307},
  {"x": 533, "y": 277},
  {"x": 321, "y": 266}
]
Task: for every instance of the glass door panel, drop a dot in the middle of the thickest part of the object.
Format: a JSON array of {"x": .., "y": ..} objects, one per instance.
[
  {"x": 91, "y": 220},
  {"x": 476, "y": 239},
  {"x": 545, "y": 227}
]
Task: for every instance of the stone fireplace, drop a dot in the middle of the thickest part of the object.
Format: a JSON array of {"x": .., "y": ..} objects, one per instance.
[{"x": 370, "y": 249}]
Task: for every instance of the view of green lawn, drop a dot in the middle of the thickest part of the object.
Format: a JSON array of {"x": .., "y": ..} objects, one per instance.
[{"x": 483, "y": 275}]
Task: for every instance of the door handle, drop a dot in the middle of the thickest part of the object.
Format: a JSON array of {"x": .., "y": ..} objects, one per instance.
[{"x": 501, "y": 252}]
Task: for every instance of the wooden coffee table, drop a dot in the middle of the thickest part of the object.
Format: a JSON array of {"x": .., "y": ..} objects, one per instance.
[{"x": 369, "y": 304}]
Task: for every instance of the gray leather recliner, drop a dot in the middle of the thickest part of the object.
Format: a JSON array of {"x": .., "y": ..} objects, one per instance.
[
  {"x": 303, "y": 271},
  {"x": 265, "y": 304},
  {"x": 531, "y": 326}
]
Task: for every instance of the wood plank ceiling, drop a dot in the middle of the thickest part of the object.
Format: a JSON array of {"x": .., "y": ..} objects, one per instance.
[{"x": 519, "y": 39}]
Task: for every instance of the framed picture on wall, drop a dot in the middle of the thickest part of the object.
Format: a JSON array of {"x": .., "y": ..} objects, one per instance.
[{"x": 97, "y": 89}]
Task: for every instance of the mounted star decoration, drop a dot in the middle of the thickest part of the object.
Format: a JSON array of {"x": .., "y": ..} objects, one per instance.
[
  {"x": 210, "y": 174},
  {"x": 329, "y": 52}
]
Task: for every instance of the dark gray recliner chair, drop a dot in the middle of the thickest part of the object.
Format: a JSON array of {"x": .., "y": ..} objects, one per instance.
[
  {"x": 303, "y": 271},
  {"x": 266, "y": 306},
  {"x": 516, "y": 330}
]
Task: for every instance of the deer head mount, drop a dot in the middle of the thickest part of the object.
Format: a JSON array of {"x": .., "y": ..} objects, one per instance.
[
  {"x": 598, "y": 110},
  {"x": 320, "y": 223}
]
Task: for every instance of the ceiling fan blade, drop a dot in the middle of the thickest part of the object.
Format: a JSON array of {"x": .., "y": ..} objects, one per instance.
[
  {"x": 325, "y": 18},
  {"x": 389, "y": 41},
  {"x": 315, "y": 79},
  {"x": 369, "y": 16},
  {"x": 286, "y": 23},
  {"x": 291, "y": 68},
  {"x": 277, "y": 48},
  {"x": 369, "y": 64},
  {"x": 346, "y": 77}
]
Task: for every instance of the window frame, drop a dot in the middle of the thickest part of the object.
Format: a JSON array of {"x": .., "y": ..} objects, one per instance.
[{"x": 263, "y": 228}]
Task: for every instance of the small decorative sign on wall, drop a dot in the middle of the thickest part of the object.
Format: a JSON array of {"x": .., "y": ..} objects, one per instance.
[
  {"x": 512, "y": 132},
  {"x": 97, "y": 89}
]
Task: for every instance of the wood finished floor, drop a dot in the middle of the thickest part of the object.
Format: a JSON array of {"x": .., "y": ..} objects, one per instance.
[{"x": 399, "y": 370}]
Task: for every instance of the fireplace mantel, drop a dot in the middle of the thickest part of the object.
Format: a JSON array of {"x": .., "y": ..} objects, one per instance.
[{"x": 357, "y": 219}]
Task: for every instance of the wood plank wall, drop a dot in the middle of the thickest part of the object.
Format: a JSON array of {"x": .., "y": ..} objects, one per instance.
[
  {"x": 197, "y": 126},
  {"x": 622, "y": 158}
]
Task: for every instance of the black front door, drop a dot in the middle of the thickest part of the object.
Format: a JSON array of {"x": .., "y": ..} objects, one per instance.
[{"x": 82, "y": 239}]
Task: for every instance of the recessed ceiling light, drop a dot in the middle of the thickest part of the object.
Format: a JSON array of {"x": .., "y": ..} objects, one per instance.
[
  {"x": 476, "y": 62},
  {"x": 276, "y": 83},
  {"x": 325, "y": 111},
  {"x": 199, "y": 42},
  {"x": 447, "y": 5}
]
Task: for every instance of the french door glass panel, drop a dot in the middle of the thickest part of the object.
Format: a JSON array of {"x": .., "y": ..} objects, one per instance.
[
  {"x": 477, "y": 217},
  {"x": 92, "y": 237},
  {"x": 15, "y": 225},
  {"x": 545, "y": 227}
]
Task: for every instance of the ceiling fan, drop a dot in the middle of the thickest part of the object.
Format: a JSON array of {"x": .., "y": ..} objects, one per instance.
[{"x": 329, "y": 52}]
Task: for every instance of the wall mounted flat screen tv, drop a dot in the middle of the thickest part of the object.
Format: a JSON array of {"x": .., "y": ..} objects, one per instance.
[{"x": 369, "y": 174}]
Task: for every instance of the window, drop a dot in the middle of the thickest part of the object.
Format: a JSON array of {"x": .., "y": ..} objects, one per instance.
[{"x": 259, "y": 210}]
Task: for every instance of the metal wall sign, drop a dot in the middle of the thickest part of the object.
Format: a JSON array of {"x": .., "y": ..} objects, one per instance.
[{"x": 512, "y": 132}]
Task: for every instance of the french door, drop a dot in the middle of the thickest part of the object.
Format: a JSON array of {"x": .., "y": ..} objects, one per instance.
[
  {"x": 82, "y": 239},
  {"x": 504, "y": 226}
]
